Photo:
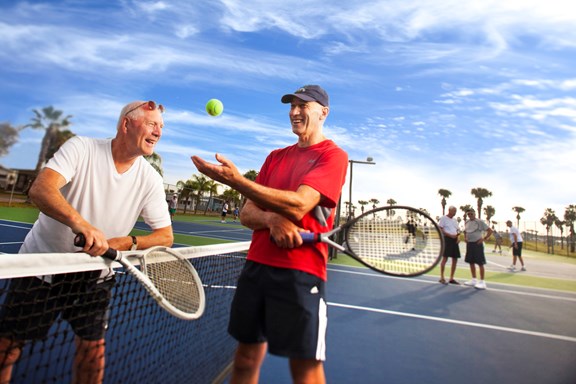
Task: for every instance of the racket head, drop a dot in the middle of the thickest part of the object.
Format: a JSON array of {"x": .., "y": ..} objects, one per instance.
[
  {"x": 471, "y": 226},
  {"x": 395, "y": 240},
  {"x": 175, "y": 280}
]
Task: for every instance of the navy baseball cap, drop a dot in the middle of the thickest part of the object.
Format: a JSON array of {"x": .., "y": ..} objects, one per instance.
[{"x": 308, "y": 93}]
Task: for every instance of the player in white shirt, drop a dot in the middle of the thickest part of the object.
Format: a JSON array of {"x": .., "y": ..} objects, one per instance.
[
  {"x": 451, "y": 231},
  {"x": 516, "y": 245},
  {"x": 97, "y": 187}
]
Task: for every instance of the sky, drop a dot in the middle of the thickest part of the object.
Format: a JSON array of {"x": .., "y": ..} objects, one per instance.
[{"x": 442, "y": 94}]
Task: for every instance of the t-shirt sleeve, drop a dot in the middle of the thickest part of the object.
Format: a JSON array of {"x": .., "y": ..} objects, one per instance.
[
  {"x": 328, "y": 176},
  {"x": 67, "y": 157}
]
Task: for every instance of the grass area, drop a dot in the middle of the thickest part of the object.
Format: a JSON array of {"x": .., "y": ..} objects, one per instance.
[
  {"x": 25, "y": 214},
  {"x": 463, "y": 274}
]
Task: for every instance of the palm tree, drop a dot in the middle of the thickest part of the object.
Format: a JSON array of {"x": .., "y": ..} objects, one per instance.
[
  {"x": 548, "y": 221},
  {"x": 391, "y": 202},
  {"x": 464, "y": 209},
  {"x": 489, "y": 211},
  {"x": 374, "y": 202},
  {"x": 201, "y": 184},
  {"x": 185, "y": 191},
  {"x": 569, "y": 219},
  {"x": 362, "y": 204},
  {"x": 251, "y": 175},
  {"x": 156, "y": 162},
  {"x": 52, "y": 122},
  {"x": 231, "y": 195},
  {"x": 445, "y": 194},
  {"x": 560, "y": 225},
  {"x": 212, "y": 188},
  {"x": 480, "y": 194},
  {"x": 518, "y": 211}
]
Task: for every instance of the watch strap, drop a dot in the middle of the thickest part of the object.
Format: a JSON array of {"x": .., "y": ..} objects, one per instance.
[{"x": 134, "y": 243}]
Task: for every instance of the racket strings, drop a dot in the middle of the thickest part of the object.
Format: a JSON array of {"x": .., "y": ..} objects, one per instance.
[
  {"x": 390, "y": 244},
  {"x": 175, "y": 280}
]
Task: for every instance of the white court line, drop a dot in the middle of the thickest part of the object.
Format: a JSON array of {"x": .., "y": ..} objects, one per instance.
[
  {"x": 496, "y": 264},
  {"x": 16, "y": 226},
  {"x": 490, "y": 288},
  {"x": 465, "y": 323},
  {"x": 213, "y": 231}
]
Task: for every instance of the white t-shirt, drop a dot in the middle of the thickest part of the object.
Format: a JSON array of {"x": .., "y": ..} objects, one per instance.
[
  {"x": 514, "y": 230},
  {"x": 449, "y": 225},
  {"x": 109, "y": 201}
]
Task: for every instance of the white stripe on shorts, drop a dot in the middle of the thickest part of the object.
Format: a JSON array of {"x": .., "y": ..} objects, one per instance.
[{"x": 322, "y": 325}]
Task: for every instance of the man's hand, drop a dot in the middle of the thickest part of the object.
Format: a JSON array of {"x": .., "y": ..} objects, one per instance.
[
  {"x": 283, "y": 232},
  {"x": 225, "y": 173},
  {"x": 96, "y": 243}
]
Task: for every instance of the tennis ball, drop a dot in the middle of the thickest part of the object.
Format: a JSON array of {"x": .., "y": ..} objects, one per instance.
[{"x": 214, "y": 107}]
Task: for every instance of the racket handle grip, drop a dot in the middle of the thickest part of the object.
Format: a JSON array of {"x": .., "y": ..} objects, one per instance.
[
  {"x": 309, "y": 237},
  {"x": 110, "y": 254}
]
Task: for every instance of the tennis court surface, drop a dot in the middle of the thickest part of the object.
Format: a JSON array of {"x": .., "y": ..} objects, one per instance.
[
  {"x": 381, "y": 330},
  {"x": 404, "y": 331}
]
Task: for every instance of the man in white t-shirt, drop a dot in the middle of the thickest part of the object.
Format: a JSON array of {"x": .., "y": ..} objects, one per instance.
[
  {"x": 98, "y": 188},
  {"x": 516, "y": 242},
  {"x": 451, "y": 231},
  {"x": 224, "y": 212}
]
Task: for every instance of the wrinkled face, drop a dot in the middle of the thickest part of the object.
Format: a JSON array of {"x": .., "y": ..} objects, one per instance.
[
  {"x": 451, "y": 212},
  {"x": 306, "y": 116},
  {"x": 144, "y": 130},
  {"x": 471, "y": 215}
]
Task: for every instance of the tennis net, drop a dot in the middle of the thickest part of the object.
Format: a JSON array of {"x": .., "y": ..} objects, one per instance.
[{"x": 144, "y": 344}]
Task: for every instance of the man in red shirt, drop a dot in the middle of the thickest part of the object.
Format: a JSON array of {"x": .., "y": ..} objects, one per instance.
[{"x": 279, "y": 304}]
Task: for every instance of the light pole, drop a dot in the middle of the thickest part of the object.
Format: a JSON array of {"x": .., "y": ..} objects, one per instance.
[
  {"x": 332, "y": 251},
  {"x": 352, "y": 162}
]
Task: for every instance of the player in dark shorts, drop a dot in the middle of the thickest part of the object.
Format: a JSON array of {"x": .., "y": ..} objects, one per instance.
[
  {"x": 33, "y": 305},
  {"x": 451, "y": 231}
]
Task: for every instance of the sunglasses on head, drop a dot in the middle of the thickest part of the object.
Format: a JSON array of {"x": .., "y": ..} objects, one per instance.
[{"x": 151, "y": 105}]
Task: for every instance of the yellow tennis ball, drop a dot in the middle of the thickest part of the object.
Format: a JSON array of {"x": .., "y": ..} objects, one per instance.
[{"x": 214, "y": 107}]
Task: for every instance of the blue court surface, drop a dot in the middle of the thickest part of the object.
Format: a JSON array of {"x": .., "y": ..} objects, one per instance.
[{"x": 391, "y": 330}]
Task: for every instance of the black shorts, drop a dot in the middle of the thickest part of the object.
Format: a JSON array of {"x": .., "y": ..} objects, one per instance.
[
  {"x": 33, "y": 305},
  {"x": 475, "y": 253},
  {"x": 284, "y": 307},
  {"x": 451, "y": 248},
  {"x": 518, "y": 250}
]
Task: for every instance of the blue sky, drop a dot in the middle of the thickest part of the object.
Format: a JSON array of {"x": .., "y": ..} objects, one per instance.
[{"x": 441, "y": 93}]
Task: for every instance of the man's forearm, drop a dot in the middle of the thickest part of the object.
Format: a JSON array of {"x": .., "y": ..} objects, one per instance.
[
  {"x": 290, "y": 204},
  {"x": 52, "y": 203}
]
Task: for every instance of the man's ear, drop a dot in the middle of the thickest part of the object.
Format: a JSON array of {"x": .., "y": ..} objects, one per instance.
[{"x": 325, "y": 112}]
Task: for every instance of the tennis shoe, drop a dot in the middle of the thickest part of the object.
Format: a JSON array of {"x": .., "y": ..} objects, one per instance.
[
  {"x": 480, "y": 285},
  {"x": 471, "y": 283},
  {"x": 523, "y": 269},
  {"x": 512, "y": 268}
]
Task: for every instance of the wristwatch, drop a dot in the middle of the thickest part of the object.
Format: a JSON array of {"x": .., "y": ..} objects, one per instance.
[{"x": 134, "y": 243}]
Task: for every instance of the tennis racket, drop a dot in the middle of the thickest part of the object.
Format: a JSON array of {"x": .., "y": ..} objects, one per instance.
[
  {"x": 167, "y": 276},
  {"x": 471, "y": 226},
  {"x": 393, "y": 240}
]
